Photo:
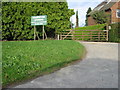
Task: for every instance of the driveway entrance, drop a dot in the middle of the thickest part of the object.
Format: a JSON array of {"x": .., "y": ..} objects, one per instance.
[{"x": 99, "y": 69}]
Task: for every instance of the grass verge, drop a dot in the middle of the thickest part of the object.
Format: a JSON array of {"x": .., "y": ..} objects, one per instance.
[
  {"x": 81, "y": 31},
  {"x": 89, "y": 38},
  {"x": 93, "y": 27},
  {"x": 22, "y": 60}
]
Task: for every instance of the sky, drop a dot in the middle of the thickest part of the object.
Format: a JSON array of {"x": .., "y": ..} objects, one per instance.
[{"x": 82, "y": 7}]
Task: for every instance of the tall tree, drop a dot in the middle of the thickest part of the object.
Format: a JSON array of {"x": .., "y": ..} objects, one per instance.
[
  {"x": 77, "y": 19},
  {"x": 88, "y": 11}
]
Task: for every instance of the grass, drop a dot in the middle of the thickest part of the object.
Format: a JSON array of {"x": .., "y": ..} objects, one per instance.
[
  {"x": 93, "y": 27},
  {"x": 87, "y": 38},
  {"x": 22, "y": 60}
]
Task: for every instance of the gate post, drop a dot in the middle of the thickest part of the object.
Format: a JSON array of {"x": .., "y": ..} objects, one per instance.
[
  {"x": 107, "y": 35},
  {"x": 107, "y": 27},
  {"x": 58, "y": 37},
  {"x": 73, "y": 35}
]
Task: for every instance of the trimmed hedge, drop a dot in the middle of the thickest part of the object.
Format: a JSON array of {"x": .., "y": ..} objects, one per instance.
[
  {"x": 16, "y": 19},
  {"x": 114, "y": 33}
]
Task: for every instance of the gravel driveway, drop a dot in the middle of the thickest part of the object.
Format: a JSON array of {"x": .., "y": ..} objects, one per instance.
[{"x": 99, "y": 69}]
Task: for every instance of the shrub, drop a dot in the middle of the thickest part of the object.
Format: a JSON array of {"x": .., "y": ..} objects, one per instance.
[
  {"x": 16, "y": 18},
  {"x": 114, "y": 33},
  {"x": 101, "y": 17}
]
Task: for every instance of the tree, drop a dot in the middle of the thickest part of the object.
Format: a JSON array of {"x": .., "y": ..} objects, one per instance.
[
  {"x": 77, "y": 19},
  {"x": 88, "y": 11},
  {"x": 16, "y": 18},
  {"x": 101, "y": 17}
]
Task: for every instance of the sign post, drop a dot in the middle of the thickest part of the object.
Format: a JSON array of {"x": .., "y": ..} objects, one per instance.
[
  {"x": 39, "y": 20},
  {"x": 34, "y": 32},
  {"x": 43, "y": 32}
]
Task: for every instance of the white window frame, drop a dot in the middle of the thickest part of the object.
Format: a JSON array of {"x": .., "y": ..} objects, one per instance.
[{"x": 118, "y": 10}]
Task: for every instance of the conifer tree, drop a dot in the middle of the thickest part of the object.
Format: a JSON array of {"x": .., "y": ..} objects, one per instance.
[
  {"x": 88, "y": 11},
  {"x": 77, "y": 19}
]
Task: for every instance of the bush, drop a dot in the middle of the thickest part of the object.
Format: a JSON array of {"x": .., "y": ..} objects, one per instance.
[
  {"x": 16, "y": 18},
  {"x": 114, "y": 33},
  {"x": 101, "y": 17}
]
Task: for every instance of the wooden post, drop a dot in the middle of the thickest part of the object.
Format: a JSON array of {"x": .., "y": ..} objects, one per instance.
[
  {"x": 37, "y": 35},
  {"x": 58, "y": 37},
  {"x": 43, "y": 32},
  {"x": 82, "y": 35},
  {"x": 91, "y": 36},
  {"x": 107, "y": 32},
  {"x": 107, "y": 35},
  {"x": 45, "y": 35},
  {"x": 34, "y": 32},
  {"x": 73, "y": 35},
  {"x": 99, "y": 36}
]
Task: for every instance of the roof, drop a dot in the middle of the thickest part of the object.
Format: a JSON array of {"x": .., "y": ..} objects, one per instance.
[
  {"x": 105, "y": 5},
  {"x": 108, "y": 6}
]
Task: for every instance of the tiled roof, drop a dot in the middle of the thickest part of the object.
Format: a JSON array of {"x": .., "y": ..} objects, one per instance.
[{"x": 105, "y": 5}]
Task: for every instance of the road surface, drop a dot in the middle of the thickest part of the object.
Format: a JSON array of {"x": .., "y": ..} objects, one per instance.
[{"x": 99, "y": 69}]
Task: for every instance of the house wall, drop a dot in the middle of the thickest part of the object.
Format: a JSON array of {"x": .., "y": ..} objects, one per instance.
[
  {"x": 113, "y": 12},
  {"x": 91, "y": 21}
]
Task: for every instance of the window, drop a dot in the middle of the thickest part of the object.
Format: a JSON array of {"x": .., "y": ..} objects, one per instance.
[{"x": 118, "y": 13}]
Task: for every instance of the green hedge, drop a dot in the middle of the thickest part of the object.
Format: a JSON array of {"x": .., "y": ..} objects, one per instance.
[
  {"x": 114, "y": 33},
  {"x": 16, "y": 19}
]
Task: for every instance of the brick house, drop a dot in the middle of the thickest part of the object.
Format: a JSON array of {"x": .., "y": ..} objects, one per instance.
[{"x": 110, "y": 7}]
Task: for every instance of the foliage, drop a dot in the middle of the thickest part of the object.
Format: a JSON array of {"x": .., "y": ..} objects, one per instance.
[
  {"x": 77, "y": 19},
  {"x": 88, "y": 11},
  {"x": 16, "y": 18},
  {"x": 25, "y": 59},
  {"x": 101, "y": 17},
  {"x": 114, "y": 33}
]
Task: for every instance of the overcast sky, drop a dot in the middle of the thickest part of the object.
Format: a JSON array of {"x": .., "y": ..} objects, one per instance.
[{"x": 82, "y": 7}]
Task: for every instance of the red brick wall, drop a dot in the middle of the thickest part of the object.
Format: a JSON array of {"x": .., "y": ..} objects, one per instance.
[
  {"x": 113, "y": 11},
  {"x": 91, "y": 21}
]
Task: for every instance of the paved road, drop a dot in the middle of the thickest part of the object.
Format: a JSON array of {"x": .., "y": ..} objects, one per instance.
[{"x": 99, "y": 69}]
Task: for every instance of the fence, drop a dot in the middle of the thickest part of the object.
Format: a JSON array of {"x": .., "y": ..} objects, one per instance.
[{"x": 85, "y": 35}]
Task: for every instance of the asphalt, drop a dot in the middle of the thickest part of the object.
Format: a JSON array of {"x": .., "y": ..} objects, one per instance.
[{"x": 99, "y": 69}]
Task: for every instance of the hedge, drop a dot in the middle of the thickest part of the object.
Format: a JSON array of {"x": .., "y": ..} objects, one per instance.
[{"x": 114, "y": 32}]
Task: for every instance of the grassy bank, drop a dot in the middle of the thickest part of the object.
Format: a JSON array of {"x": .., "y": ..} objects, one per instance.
[
  {"x": 93, "y": 27},
  {"x": 27, "y": 59},
  {"x": 87, "y": 38}
]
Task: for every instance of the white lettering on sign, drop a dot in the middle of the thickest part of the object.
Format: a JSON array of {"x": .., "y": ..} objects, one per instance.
[
  {"x": 38, "y": 17},
  {"x": 39, "y": 20}
]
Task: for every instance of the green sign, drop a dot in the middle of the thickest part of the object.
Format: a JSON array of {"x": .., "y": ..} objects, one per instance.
[{"x": 39, "y": 20}]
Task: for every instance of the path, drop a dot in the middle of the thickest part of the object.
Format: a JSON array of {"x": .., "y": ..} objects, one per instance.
[{"x": 98, "y": 70}]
